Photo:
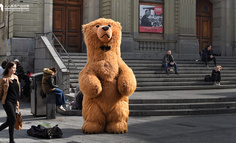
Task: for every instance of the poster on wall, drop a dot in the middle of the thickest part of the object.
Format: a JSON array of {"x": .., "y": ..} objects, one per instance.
[{"x": 151, "y": 18}]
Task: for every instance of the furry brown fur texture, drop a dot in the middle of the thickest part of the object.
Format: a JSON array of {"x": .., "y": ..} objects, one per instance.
[{"x": 106, "y": 81}]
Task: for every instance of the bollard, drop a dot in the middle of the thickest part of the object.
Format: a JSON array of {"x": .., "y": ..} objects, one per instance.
[{"x": 51, "y": 106}]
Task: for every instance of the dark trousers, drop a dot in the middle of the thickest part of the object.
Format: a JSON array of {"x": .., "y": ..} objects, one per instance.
[
  {"x": 10, "y": 109},
  {"x": 166, "y": 65},
  {"x": 207, "y": 59},
  {"x": 59, "y": 96},
  {"x": 216, "y": 78}
]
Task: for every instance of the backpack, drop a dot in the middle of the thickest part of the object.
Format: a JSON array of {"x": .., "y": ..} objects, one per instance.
[
  {"x": 79, "y": 100},
  {"x": 207, "y": 78},
  {"x": 45, "y": 133}
]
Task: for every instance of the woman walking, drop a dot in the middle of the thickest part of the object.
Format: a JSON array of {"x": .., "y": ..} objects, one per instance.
[{"x": 9, "y": 96}]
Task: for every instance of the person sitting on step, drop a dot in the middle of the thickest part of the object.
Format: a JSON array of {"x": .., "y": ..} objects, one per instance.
[
  {"x": 215, "y": 75},
  {"x": 48, "y": 85},
  {"x": 208, "y": 55},
  {"x": 168, "y": 61}
]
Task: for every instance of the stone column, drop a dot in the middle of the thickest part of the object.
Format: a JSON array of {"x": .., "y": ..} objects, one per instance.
[
  {"x": 90, "y": 10},
  {"x": 169, "y": 21},
  {"x": 121, "y": 10},
  {"x": 234, "y": 28},
  {"x": 187, "y": 44},
  {"x": 48, "y": 15},
  {"x": 3, "y": 34},
  {"x": 229, "y": 28}
]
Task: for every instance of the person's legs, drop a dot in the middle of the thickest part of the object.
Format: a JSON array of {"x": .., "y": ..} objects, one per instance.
[
  {"x": 166, "y": 67},
  {"x": 60, "y": 99},
  {"x": 10, "y": 109},
  {"x": 175, "y": 65},
  {"x": 214, "y": 59}
]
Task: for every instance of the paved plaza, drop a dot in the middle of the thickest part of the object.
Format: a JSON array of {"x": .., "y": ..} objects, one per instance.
[{"x": 220, "y": 128}]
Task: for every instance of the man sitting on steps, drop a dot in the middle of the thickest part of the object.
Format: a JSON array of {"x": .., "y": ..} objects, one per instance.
[{"x": 168, "y": 61}]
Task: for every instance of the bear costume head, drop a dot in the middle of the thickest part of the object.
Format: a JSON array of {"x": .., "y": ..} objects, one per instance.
[
  {"x": 105, "y": 81},
  {"x": 102, "y": 34}
]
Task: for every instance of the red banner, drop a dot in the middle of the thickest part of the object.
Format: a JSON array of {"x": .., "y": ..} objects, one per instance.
[{"x": 150, "y": 29}]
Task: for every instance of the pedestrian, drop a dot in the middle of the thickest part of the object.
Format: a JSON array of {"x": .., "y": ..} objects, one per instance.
[
  {"x": 2, "y": 68},
  {"x": 208, "y": 55},
  {"x": 168, "y": 61},
  {"x": 216, "y": 76},
  {"x": 9, "y": 96},
  {"x": 48, "y": 85},
  {"x": 23, "y": 77}
]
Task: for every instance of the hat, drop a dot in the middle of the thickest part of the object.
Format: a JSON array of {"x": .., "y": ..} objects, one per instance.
[{"x": 16, "y": 60}]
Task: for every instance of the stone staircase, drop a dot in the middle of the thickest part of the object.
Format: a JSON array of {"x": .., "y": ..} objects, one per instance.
[
  {"x": 171, "y": 107},
  {"x": 151, "y": 77}
]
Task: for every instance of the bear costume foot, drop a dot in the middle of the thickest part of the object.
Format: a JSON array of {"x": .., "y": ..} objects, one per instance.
[
  {"x": 92, "y": 128},
  {"x": 117, "y": 128}
]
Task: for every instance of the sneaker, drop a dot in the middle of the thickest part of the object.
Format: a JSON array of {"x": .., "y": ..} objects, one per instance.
[{"x": 62, "y": 108}]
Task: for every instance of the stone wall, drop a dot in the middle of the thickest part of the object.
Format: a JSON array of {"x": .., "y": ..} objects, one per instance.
[
  {"x": 26, "y": 23},
  {"x": 3, "y": 33}
]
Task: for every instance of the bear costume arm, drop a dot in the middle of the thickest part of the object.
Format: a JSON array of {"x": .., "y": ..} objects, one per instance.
[
  {"x": 126, "y": 80},
  {"x": 89, "y": 84}
]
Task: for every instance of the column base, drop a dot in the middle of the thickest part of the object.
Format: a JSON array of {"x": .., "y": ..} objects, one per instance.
[{"x": 188, "y": 47}]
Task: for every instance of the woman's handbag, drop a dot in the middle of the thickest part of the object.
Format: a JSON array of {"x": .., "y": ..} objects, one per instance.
[{"x": 19, "y": 123}]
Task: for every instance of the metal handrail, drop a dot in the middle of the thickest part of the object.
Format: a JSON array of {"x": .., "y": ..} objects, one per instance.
[{"x": 63, "y": 50}]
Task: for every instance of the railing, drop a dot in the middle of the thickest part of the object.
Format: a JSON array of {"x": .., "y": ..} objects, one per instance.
[
  {"x": 60, "y": 50},
  {"x": 153, "y": 45}
]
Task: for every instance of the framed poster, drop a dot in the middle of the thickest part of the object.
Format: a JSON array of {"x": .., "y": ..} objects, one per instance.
[{"x": 151, "y": 18}]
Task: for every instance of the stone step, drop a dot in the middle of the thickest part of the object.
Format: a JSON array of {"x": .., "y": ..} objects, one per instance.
[
  {"x": 170, "y": 76},
  {"x": 199, "y": 87},
  {"x": 178, "y": 100},
  {"x": 146, "y": 84},
  {"x": 181, "y": 112},
  {"x": 175, "y": 79},
  {"x": 165, "y": 106},
  {"x": 181, "y": 72},
  {"x": 83, "y": 60}
]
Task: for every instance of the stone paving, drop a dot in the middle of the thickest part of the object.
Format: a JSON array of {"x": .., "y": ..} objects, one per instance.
[{"x": 158, "y": 129}]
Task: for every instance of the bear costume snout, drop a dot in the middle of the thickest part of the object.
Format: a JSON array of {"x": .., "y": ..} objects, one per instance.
[{"x": 104, "y": 33}]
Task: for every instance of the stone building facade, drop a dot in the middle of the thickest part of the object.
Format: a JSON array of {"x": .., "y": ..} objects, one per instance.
[{"x": 188, "y": 25}]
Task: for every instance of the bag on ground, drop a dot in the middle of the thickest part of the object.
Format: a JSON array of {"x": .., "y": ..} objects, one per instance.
[
  {"x": 45, "y": 133},
  {"x": 207, "y": 78}
]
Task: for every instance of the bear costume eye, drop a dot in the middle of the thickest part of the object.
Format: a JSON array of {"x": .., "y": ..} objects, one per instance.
[
  {"x": 97, "y": 26},
  {"x": 109, "y": 25}
]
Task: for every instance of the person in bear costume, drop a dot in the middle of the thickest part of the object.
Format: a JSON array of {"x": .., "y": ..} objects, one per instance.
[{"x": 106, "y": 81}]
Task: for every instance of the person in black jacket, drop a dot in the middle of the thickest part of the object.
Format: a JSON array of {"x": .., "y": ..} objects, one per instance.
[
  {"x": 208, "y": 55},
  {"x": 168, "y": 61},
  {"x": 215, "y": 75}
]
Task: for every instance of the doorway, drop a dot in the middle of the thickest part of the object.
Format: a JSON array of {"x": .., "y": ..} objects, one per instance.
[
  {"x": 204, "y": 23},
  {"x": 67, "y": 22}
]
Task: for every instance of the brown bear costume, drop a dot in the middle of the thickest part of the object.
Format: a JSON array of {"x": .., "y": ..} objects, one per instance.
[{"x": 106, "y": 81}]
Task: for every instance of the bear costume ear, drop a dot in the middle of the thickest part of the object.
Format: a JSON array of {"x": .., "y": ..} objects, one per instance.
[{"x": 84, "y": 28}]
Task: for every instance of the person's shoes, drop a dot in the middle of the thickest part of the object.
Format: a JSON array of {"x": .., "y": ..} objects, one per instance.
[
  {"x": 218, "y": 84},
  {"x": 177, "y": 73},
  {"x": 167, "y": 73},
  {"x": 61, "y": 108}
]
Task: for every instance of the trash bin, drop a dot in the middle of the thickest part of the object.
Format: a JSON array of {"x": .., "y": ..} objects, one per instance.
[{"x": 38, "y": 104}]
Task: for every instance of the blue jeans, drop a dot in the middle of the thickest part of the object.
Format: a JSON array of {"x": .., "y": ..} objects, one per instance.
[
  {"x": 166, "y": 65},
  {"x": 60, "y": 98}
]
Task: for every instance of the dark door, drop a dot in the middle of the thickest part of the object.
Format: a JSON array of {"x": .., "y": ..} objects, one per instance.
[
  {"x": 204, "y": 23},
  {"x": 67, "y": 21}
]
